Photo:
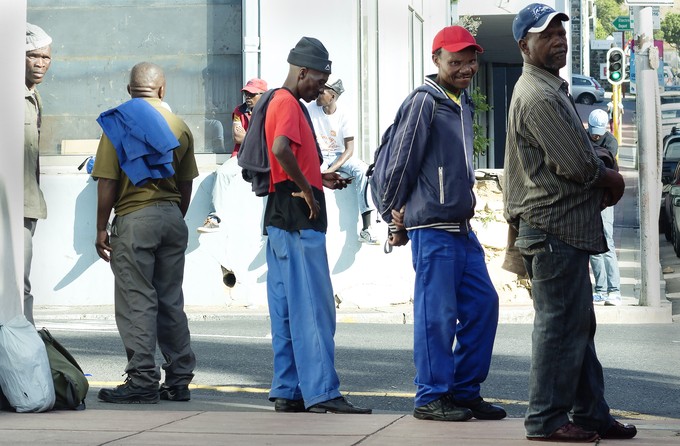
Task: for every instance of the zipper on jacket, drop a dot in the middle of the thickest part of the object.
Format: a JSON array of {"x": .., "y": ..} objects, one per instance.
[{"x": 440, "y": 171}]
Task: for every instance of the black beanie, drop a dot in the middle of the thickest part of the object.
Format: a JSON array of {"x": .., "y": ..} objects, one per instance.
[{"x": 310, "y": 53}]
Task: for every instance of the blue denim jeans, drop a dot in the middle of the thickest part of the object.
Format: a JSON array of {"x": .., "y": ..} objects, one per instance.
[
  {"x": 565, "y": 373},
  {"x": 606, "y": 266}
]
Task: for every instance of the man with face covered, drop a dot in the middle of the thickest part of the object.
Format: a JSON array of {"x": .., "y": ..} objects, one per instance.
[
  {"x": 38, "y": 59},
  {"x": 299, "y": 290},
  {"x": 429, "y": 196},
  {"x": 555, "y": 187}
]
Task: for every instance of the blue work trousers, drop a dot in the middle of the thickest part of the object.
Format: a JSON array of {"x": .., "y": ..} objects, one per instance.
[
  {"x": 565, "y": 373},
  {"x": 453, "y": 299},
  {"x": 302, "y": 312}
]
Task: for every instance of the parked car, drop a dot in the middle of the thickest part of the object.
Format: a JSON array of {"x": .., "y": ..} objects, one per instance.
[
  {"x": 586, "y": 90},
  {"x": 674, "y": 195},
  {"x": 670, "y": 117},
  {"x": 670, "y": 177}
]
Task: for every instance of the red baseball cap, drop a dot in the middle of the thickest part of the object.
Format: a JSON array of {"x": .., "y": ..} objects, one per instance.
[
  {"x": 255, "y": 86},
  {"x": 454, "y": 39}
]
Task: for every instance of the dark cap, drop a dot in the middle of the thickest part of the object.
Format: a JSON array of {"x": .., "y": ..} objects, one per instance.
[
  {"x": 534, "y": 19},
  {"x": 310, "y": 53}
]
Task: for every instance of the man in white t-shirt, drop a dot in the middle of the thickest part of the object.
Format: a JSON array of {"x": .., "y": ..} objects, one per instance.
[{"x": 336, "y": 139}]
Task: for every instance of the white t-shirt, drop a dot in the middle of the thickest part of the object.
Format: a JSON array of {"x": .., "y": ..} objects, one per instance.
[{"x": 330, "y": 130}]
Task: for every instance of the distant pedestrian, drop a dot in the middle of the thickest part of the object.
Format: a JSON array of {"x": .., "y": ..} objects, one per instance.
[
  {"x": 605, "y": 266},
  {"x": 335, "y": 136},
  {"x": 299, "y": 290},
  {"x": 240, "y": 120},
  {"x": 430, "y": 197},
  {"x": 554, "y": 189},
  {"x": 38, "y": 60},
  {"x": 148, "y": 237}
]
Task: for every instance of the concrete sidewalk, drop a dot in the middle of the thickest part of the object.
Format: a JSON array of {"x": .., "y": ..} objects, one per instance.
[{"x": 165, "y": 425}]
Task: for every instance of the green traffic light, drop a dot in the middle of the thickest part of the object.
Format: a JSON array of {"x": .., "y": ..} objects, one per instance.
[{"x": 615, "y": 75}]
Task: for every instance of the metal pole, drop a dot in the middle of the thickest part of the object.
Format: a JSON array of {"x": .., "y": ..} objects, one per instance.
[
  {"x": 615, "y": 112},
  {"x": 650, "y": 186}
]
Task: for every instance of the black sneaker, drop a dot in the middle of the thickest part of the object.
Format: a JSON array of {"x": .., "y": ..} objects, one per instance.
[
  {"x": 442, "y": 409},
  {"x": 178, "y": 392},
  {"x": 482, "y": 410},
  {"x": 129, "y": 393},
  {"x": 286, "y": 405}
]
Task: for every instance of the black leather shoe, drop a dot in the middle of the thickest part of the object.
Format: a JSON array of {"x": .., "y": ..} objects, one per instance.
[
  {"x": 482, "y": 410},
  {"x": 619, "y": 431},
  {"x": 179, "y": 392},
  {"x": 338, "y": 405},
  {"x": 442, "y": 409},
  {"x": 569, "y": 433},
  {"x": 129, "y": 393},
  {"x": 285, "y": 405}
]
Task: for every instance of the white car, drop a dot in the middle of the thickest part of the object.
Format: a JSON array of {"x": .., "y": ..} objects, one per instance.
[{"x": 586, "y": 90}]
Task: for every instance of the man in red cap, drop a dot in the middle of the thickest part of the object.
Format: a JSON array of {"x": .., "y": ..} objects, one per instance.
[
  {"x": 224, "y": 175},
  {"x": 428, "y": 199}
]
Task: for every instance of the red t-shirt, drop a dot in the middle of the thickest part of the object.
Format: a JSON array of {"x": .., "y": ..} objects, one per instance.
[{"x": 285, "y": 117}]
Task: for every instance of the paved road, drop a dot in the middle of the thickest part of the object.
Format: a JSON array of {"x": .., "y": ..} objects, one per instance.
[{"x": 375, "y": 364}]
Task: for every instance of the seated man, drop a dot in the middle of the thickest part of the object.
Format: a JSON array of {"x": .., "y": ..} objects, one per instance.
[
  {"x": 336, "y": 139},
  {"x": 240, "y": 118}
]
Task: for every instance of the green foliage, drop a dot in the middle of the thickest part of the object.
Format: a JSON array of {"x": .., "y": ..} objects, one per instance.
[
  {"x": 480, "y": 142},
  {"x": 607, "y": 11},
  {"x": 670, "y": 26}
]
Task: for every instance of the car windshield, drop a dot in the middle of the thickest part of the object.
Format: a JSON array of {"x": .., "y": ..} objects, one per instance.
[{"x": 673, "y": 150}]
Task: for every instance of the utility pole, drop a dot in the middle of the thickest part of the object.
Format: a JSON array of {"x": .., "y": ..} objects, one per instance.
[{"x": 647, "y": 93}]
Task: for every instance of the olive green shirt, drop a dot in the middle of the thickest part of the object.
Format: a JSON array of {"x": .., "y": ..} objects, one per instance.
[
  {"x": 131, "y": 198},
  {"x": 34, "y": 202}
]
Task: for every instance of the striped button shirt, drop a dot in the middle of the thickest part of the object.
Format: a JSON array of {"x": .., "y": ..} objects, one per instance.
[{"x": 550, "y": 165}]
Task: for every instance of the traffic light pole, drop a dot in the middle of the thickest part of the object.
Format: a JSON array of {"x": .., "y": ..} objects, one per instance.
[{"x": 649, "y": 157}]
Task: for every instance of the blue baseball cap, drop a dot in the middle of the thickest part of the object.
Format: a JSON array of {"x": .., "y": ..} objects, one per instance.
[{"x": 533, "y": 19}]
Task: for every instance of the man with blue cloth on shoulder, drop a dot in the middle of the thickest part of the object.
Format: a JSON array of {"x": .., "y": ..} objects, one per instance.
[{"x": 145, "y": 165}]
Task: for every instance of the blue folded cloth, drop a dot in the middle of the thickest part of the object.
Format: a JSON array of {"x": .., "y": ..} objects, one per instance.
[{"x": 142, "y": 139}]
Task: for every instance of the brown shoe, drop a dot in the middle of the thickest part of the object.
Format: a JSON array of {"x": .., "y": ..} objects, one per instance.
[
  {"x": 569, "y": 433},
  {"x": 619, "y": 431}
]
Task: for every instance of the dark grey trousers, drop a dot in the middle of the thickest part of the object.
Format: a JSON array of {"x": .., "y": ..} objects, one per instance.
[
  {"x": 147, "y": 260},
  {"x": 29, "y": 230}
]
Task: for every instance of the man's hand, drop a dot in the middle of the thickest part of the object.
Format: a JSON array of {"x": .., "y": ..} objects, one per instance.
[
  {"x": 308, "y": 196},
  {"x": 103, "y": 246},
  {"x": 333, "y": 180},
  {"x": 399, "y": 238},
  {"x": 614, "y": 186}
]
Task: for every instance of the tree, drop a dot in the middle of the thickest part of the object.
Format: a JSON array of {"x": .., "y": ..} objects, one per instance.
[
  {"x": 670, "y": 25},
  {"x": 607, "y": 11}
]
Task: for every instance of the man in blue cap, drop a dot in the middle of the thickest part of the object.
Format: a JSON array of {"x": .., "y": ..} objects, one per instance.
[{"x": 555, "y": 186}]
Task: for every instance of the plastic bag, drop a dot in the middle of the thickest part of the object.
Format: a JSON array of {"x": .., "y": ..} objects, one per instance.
[{"x": 25, "y": 374}]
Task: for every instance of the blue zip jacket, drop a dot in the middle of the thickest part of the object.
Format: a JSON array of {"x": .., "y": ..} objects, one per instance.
[
  {"x": 430, "y": 166},
  {"x": 142, "y": 138}
]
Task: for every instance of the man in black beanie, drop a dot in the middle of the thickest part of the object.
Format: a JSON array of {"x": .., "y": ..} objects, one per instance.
[{"x": 299, "y": 289}]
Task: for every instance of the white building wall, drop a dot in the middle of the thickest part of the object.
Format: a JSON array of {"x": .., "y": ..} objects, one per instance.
[{"x": 67, "y": 271}]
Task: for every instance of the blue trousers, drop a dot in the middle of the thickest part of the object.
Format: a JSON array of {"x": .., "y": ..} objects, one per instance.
[
  {"x": 453, "y": 299},
  {"x": 606, "y": 266},
  {"x": 565, "y": 373},
  {"x": 302, "y": 312}
]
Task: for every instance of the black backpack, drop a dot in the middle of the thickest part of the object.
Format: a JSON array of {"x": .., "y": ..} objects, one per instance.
[{"x": 377, "y": 169}]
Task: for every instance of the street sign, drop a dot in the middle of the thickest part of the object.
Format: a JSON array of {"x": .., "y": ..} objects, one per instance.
[
  {"x": 622, "y": 23},
  {"x": 645, "y": 3}
]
